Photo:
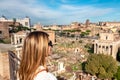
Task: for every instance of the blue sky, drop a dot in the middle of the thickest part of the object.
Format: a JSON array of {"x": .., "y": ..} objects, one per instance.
[{"x": 48, "y": 12}]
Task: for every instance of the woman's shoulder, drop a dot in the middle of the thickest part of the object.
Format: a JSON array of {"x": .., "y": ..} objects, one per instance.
[{"x": 45, "y": 76}]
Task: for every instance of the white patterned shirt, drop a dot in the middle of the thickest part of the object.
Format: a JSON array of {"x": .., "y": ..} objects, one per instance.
[{"x": 44, "y": 75}]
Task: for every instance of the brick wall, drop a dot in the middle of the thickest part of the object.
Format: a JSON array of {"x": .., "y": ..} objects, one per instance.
[{"x": 4, "y": 30}]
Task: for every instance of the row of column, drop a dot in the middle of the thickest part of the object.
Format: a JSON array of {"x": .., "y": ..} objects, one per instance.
[
  {"x": 106, "y": 49},
  {"x": 15, "y": 39}
]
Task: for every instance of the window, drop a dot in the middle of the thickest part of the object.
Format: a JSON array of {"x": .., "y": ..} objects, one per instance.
[
  {"x": 106, "y": 37},
  {"x": 103, "y": 46},
  {"x": 99, "y": 46},
  {"x": 20, "y": 40},
  {"x": 106, "y": 48},
  {"x": 26, "y": 23},
  {"x": 0, "y": 32}
]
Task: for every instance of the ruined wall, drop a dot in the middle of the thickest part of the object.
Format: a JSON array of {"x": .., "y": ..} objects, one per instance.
[{"x": 4, "y": 66}]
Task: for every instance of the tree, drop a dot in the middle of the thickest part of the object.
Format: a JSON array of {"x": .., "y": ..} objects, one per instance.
[
  {"x": 88, "y": 31},
  {"x": 117, "y": 75},
  {"x": 89, "y": 47},
  {"x": 103, "y": 66},
  {"x": 82, "y": 34},
  {"x": 14, "y": 22},
  {"x": 13, "y": 26}
]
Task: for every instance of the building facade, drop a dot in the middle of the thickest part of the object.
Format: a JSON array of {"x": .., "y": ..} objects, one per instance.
[
  {"x": 109, "y": 24},
  {"x": 17, "y": 40},
  {"x": 5, "y": 28},
  {"x": 25, "y": 21},
  {"x": 107, "y": 44}
]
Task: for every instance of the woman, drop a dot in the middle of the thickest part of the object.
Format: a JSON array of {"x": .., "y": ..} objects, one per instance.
[{"x": 34, "y": 53}]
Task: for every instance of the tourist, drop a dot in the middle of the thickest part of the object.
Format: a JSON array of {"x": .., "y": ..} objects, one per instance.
[{"x": 33, "y": 61}]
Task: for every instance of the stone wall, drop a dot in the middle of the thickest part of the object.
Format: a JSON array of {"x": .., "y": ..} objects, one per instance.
[{"x": 4, "y": 66}]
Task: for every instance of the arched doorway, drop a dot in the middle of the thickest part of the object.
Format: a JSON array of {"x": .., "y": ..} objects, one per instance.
[{"x": 118, "y": 55}]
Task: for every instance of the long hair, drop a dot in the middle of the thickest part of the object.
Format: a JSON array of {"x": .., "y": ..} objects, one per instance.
[{"x": 34, "y": 52}]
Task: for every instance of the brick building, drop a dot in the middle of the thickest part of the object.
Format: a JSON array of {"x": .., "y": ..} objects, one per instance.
[
  {"x": 25, "y": 21},
  {"x": 4, "y": 28}
]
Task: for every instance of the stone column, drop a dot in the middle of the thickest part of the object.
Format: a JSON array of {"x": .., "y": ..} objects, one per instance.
[
  {"x": 94, "y": 47},
  {"x": 105, "y": 52},
  {"x": 115, "y": 50},
  {"x": 18, "y": 39},
  {"x": 15, "y": 40},
  {"x": 109, "y": 50},
  {"x": 97, "y": 48}
]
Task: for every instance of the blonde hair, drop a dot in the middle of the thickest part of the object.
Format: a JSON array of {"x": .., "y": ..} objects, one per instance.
[{"x": 34, "y": 52}]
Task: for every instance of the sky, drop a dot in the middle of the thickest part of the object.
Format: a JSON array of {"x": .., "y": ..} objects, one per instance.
[{"x": 61, "y": 12}]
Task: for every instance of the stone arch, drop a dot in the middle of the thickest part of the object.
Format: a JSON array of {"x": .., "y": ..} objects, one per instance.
[{"x": 118, "y": 55}]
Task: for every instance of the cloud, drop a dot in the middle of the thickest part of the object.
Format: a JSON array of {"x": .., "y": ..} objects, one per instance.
[
  {"x": 39, "y": 12},
  {"x": 86, "y": 10}
]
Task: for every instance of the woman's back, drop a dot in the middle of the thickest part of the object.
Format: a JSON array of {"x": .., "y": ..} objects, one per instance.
[
  {"x": 34, "y": 54},
  {"x": 42, "y": 74}
]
